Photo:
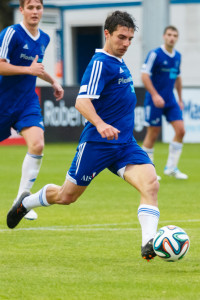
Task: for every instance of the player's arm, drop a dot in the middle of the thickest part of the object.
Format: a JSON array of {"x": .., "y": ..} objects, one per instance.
[
  {"x": 58, "y": 90},
  {"x": 157, "y": 99},
  {"x": 178, "y": 86},
  {"x": 7, "y": 69},
  {"x": 86, "y": 108}
]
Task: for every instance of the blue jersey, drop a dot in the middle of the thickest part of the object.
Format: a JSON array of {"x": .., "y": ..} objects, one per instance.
[
  {"x": 108, "y": 82},
  {"x": 19, "y": 48},
  {"x": 163, "y": 69}
]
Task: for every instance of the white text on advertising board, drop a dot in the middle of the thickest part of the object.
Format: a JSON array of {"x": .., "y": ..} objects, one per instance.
[{"x": 61, "y": 115}]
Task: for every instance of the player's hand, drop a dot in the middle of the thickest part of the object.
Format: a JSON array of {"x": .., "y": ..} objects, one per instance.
[
  {"x": 36, "y": 69},
  {"x": 181, "y": 105},
  {"x": 158, "y": 101},
  {"x": 58, "y": 91},
  {"x": 107, "y": 131}
]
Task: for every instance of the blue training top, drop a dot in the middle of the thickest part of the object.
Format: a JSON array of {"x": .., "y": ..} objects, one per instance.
[
  {"x": 108, "y": 82},
  {"x": 163, "y": 68},
  {"x": 19, "y": 48}
]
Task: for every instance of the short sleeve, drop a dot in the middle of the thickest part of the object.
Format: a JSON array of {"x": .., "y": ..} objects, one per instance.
[
  {"x": 93, "y": 81},
  {"x": 7, "y": 43},
  {"x": 149, "y": 63}
]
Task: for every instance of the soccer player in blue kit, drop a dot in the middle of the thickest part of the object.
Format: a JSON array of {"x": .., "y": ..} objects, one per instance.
[
  {"x": 107, "y": 100},
  {"x": 160, "y": 74},
  {"x": 22, "y": 48}
]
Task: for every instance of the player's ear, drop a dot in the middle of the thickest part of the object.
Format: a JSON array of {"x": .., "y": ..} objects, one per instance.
[
  {"x": 21, "y": 10},
  {"x": 106, "y": 33}
]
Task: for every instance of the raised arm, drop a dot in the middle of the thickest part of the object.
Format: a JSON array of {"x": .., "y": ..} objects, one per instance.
[{"x": 7, "y": 69}]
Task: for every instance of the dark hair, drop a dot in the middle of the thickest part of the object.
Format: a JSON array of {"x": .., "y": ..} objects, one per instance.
[
  {"x": 22, "y": 2},
  {"x": 170, "y": 27},
  {"x": 119, "y": 18}
]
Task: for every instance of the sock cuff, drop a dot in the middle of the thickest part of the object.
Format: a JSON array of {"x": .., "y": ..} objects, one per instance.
[
  {"x": 35, "y": 155},
  {"x": 42, "y": 196},
  {"x": 176, "y": 145},
  {"x": 145, "y": 209},
  {"x": 148, "y": 150}
]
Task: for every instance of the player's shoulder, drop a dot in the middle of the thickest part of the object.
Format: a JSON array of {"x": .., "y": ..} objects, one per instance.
[
  {"x": 100, "y": 55},
  {"x": 105, "y": 57},
  {"x": 155, "y": 50},
  {"x": 10, "y": 29},
  {"x": 44, "y": 35},
  {"x": 158, "y": 50},
  {"x": 177, "y": 53}
]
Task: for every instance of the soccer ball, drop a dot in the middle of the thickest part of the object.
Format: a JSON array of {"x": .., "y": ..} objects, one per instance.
[{"x": 171, "y": 243}]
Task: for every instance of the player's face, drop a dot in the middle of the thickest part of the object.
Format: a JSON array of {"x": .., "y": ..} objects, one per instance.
[
  {"x": 117, "y": 43},
  {"x": 170, "y": 38},
  {"x": 32, "y": 12}
]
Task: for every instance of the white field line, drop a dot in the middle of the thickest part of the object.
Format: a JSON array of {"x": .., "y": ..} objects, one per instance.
[{"x": 98, "y": 227}]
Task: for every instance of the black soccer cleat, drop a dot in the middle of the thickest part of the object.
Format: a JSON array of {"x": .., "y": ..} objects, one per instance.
[
  {"x": 17, "y": 211},
  {"x": 147, "y": 251}
]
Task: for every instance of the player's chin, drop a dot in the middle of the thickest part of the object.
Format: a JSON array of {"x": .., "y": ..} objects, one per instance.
[
  {"x": 34, "y": 21},
  {"x": 122, "y": 51}
]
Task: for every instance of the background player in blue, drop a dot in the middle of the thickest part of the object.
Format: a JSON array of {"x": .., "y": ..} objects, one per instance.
[
  {"x": 22, "y": 48},
  {"x": 160, "y": 74},
  {"x": 107, "y": 100}
]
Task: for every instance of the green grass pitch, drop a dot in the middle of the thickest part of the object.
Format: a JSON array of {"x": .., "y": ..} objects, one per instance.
[{"x": 90, "y": 250}]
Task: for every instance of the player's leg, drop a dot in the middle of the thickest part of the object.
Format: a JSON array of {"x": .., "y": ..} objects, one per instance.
[
  {"x": 176, "y": 146},
  {"x": 153, "y": 117},
  {"x": 87, "y": 163},
  {"x": 34, "y": 137},
  {"x": 50, "y": 194},
  {"x": 150, "y": 139},
  {"x": 144, "y": 179},
  {"x": 135, "y": 167}
]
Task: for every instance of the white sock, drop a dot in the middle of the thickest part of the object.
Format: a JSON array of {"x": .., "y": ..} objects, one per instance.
[
  {"x": 30, "y": 169},
  {"x": 148, "y": 216},
  {"x": 37, "y": 199},
  {"x": 175, "y": 150},
  {"x": 150, "y": 152}
]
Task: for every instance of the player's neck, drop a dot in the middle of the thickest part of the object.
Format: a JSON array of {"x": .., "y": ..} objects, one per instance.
[
  {"x": 169, "y": 49},
  {"x": 32, "y": 29}
]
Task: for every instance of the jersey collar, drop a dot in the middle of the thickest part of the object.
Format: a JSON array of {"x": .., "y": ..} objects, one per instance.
[
  {"x": 166, "y": 52},
  {"x": 35, "y": 38},
  {"x": 102, "y": 51}
]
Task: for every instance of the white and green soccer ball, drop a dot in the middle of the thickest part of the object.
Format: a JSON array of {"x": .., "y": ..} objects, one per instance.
[{"x": 171, "y": 243}]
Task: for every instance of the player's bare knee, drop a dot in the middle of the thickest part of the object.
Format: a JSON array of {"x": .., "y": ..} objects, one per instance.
[
  {"x": 180, "y": 132},
  {"x": 152, "y": 186},
  {"x": 37, "y": 147}
]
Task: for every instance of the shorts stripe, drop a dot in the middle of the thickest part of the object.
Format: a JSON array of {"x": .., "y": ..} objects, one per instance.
[{"x": 79, "y": 156}]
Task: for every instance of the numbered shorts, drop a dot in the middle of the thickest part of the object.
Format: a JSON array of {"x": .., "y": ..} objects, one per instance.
[
  {"x": 153, "y": 115},
  {"x": 91, "y": 158},
  {"x": 18, "y": 121}
]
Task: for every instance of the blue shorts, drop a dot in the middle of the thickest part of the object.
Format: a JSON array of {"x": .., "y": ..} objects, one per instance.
[
  {"x": 91, "y": 158},
  {"x": 18, "y": 121},
  {"x": 153, "y": 115}
]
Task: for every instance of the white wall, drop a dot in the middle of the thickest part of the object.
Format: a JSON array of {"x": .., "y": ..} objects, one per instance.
[
  {"x": 186, "y": 17},
  {"x": 89, "y": 17}
]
